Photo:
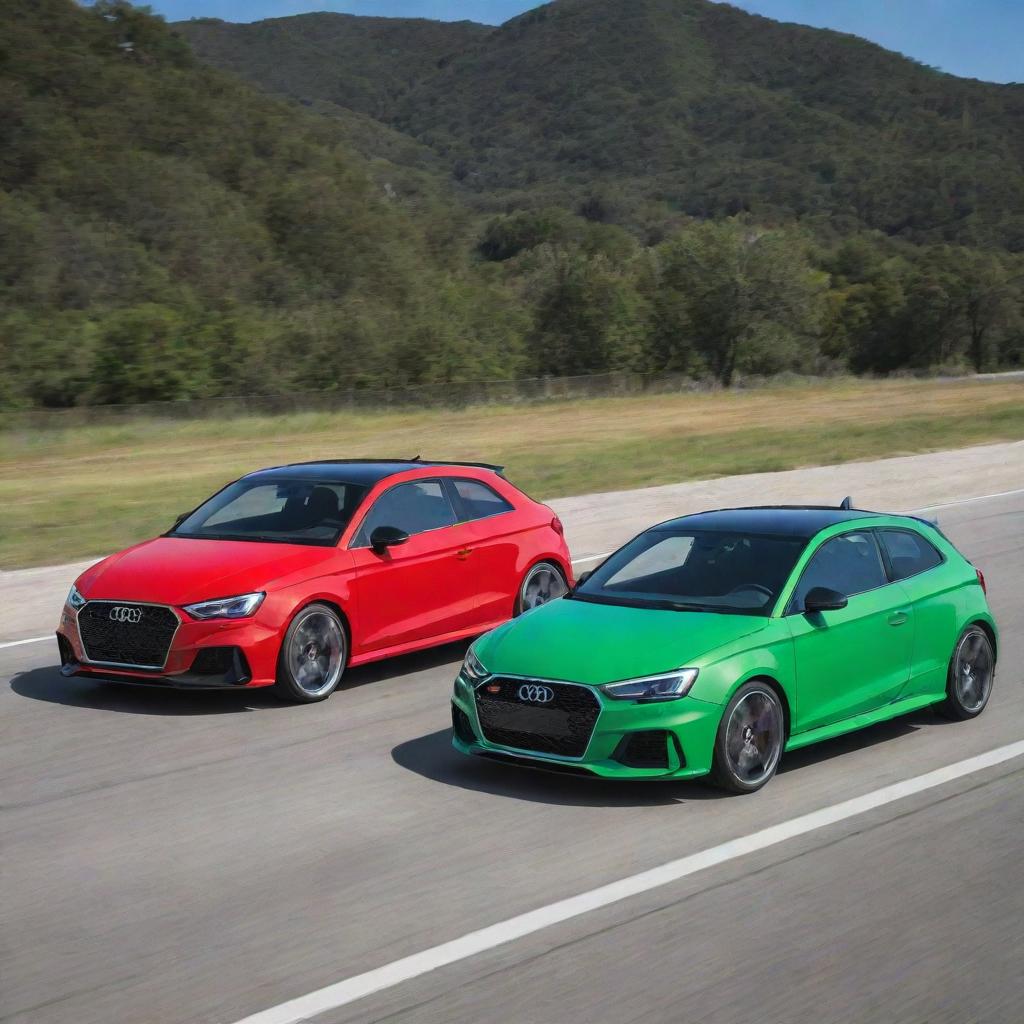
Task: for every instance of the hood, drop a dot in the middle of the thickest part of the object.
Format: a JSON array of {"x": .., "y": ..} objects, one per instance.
[
  {"x": 598, "y": 643},
  {"x": 180, "y": 570}
]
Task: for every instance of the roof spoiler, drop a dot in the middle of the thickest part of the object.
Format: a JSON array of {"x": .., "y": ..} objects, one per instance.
[{"x": 471, "y": 465}]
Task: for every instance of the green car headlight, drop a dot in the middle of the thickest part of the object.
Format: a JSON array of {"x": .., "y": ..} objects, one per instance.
[
  {"x": 670, "y": 686},
  {"x": 472, "y": 670}
]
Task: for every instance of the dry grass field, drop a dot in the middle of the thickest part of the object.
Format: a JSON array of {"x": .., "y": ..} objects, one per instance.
[{"x": 73, "y": 493}]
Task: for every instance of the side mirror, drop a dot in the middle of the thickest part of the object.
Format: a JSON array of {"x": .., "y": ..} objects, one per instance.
[
  {"x": 180, "y": 520},
  {"x": 822, "y": 599},
  {"x": 583, "y": 577},
  {"x": 385, "y": 537}
]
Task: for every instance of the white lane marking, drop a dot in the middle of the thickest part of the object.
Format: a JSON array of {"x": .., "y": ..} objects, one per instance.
[
  {"x": 591, "y": 558},
  {"x": 967, "y": 501},
  {"x": 362, "y": 985},
  {"x": 598, "y": 558},
  {"x": 30, "y": 640}
]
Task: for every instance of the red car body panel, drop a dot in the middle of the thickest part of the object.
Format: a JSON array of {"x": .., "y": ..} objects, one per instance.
[{"x": 438, "y": 587}]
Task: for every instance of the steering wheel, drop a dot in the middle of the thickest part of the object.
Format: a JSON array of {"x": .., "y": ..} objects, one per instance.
[{"x": 755, "y": 587}]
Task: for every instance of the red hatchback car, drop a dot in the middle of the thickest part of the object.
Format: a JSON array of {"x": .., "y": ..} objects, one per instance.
[{"x": 288, "y": 575}]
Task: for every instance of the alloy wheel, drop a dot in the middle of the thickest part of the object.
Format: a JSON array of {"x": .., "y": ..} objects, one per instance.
[
  {"x": 753, "y": 739},
  {"x": 543, "y": 583},
  {"x": 973, "y": 668},
  {"x": 316, "y": 652}
]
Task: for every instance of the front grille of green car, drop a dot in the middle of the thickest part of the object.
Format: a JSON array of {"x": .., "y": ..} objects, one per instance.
[{"x": 519, "y": 713}]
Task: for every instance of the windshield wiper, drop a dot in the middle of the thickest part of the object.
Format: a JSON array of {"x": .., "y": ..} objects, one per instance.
[{"x": 683, "y": 606}]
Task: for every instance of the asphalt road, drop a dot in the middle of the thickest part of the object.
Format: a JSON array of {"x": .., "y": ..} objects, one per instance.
[{"x": 169, "y": 857}]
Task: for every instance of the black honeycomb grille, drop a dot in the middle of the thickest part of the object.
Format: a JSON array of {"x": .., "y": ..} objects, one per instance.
[
  {"x": 562, "y": 726},
  {"x": 643, "y": 749},
  {"x": 116, "y": 633}
]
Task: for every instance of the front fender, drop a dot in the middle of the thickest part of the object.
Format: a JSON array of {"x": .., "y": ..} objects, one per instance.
[{"x": 720, "y": 678}]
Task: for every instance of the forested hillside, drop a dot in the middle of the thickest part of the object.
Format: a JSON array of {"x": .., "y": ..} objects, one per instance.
[
  {"x": 597, "y": 185},
  {"x": 168, "y": 230},
  {"x": 673, "y": 107}
]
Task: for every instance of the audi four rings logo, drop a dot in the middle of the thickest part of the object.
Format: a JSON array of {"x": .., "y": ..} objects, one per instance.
[
  {"x": 121, "y": 613},
  {"x": 536, "y": 694}
]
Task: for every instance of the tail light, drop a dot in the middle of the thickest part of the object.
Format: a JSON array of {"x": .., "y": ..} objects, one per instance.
[
  {"x": 981, "y": 581},
  {"x": 556, "y": 525}
]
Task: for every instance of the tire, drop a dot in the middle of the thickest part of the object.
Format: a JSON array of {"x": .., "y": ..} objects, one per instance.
[
  {"x": 750, "y": 739},
  {"x": 970, "y": 675},
  {"x": 313, "y": 656},
  {"x": 543, "y": 583}
]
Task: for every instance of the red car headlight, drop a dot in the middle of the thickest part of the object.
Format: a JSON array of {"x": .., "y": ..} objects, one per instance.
[{"x": 240, "y": 607}]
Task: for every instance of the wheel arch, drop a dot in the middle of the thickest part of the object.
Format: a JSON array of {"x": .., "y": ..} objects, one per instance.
[{"x": 986, "y": 628}]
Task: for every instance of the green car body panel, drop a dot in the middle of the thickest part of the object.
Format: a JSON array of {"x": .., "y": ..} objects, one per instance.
[{"x": 885, "y": 654}]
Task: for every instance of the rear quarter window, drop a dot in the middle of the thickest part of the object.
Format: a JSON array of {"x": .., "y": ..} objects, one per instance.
[
  {"x": 479, "y": 501},
  {"x": 909, "y": 553}
]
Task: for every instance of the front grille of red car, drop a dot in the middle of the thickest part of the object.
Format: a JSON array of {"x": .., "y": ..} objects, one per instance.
[
  {"x": 120, "y": 633},
  {"x": 511, "y": 715}
]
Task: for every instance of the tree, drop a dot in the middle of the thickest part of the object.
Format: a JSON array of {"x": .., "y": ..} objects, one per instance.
[
  {"x": 987, "y": 299},
  {"x": 738, "y": 288}
]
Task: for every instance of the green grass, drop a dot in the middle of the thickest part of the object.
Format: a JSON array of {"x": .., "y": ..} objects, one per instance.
[{"x": 75, "y": 493}]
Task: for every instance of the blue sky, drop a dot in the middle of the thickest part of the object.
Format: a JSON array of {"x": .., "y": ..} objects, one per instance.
[{"x": 976, "y": 38}]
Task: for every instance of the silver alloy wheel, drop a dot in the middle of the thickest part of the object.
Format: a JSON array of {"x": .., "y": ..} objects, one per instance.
[
  {"x": 753, "y": 737},
  {"x": 316, "y": 653},
  {"x": 543, "y": 583},
  {"x": 973, "y": 670}
]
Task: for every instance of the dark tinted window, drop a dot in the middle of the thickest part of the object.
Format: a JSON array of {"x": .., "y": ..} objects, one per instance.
[
  {"x": 909, "y": 553},
  {"x": 479, "y": 501},
  {"x": 414, "y": 507},
  {"x": 287, "y": 511},
  {"x": 689, "y": 570},
  {"x": 849, "y": 564}
]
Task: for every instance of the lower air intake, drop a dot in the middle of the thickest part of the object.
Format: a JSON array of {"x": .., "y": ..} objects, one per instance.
[{"x": 643, "y": 749}]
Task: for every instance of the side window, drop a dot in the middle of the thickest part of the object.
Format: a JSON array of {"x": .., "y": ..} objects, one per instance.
[
  {"x": 849, "y": 563},
  {"x": 414, "y": 507},
  {"x": 478, "y": 500},
  {"x": 909, "y": 553}
]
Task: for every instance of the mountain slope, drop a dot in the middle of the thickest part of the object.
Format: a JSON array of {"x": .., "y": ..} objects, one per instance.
[
  {"x": 641, "y": 110},
  {"x": 363, "y": 64}
]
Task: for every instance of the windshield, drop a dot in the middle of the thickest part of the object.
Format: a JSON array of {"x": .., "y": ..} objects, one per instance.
[
  {"x": 684, "y": 570},
  {"x": 279, "y": 511}
]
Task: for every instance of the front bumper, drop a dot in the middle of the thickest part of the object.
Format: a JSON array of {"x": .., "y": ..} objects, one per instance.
[
  {"x": 216, "y": 654},
  {"x": 689, "y": 727}
]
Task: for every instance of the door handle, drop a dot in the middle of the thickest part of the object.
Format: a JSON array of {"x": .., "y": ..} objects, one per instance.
[
  {"x": 898, "y": 618},
  {"x": 464, "y": 554}
]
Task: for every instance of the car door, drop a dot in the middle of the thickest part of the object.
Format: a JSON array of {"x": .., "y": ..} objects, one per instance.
[
  {"x": 496, "y": 533},
  {"x": 421, "y": 589},
  {"x": 857, "y": 658},
  {"x": 932, "y": 587}
]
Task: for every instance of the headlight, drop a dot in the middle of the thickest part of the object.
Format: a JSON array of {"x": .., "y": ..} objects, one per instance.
[
  {"x": 670, "y": 686},
  {"x": 472, "y": 669},
  {"x": 75, "y": 599},
  {"x": 240, "y": 607}
]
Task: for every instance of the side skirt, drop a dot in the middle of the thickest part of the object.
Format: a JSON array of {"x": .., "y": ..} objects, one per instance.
[
  {"x": 381, "y": 653},
  {"x": 862, "y": 721}
]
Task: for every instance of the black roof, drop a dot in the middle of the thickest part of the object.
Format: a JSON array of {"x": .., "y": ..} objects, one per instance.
[
  {"x": 774, "y": 520},
  {"x": 366, "y": 472}
]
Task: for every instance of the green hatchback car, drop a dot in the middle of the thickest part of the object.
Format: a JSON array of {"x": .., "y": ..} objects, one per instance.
[{"x": 712, "y": 644}]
